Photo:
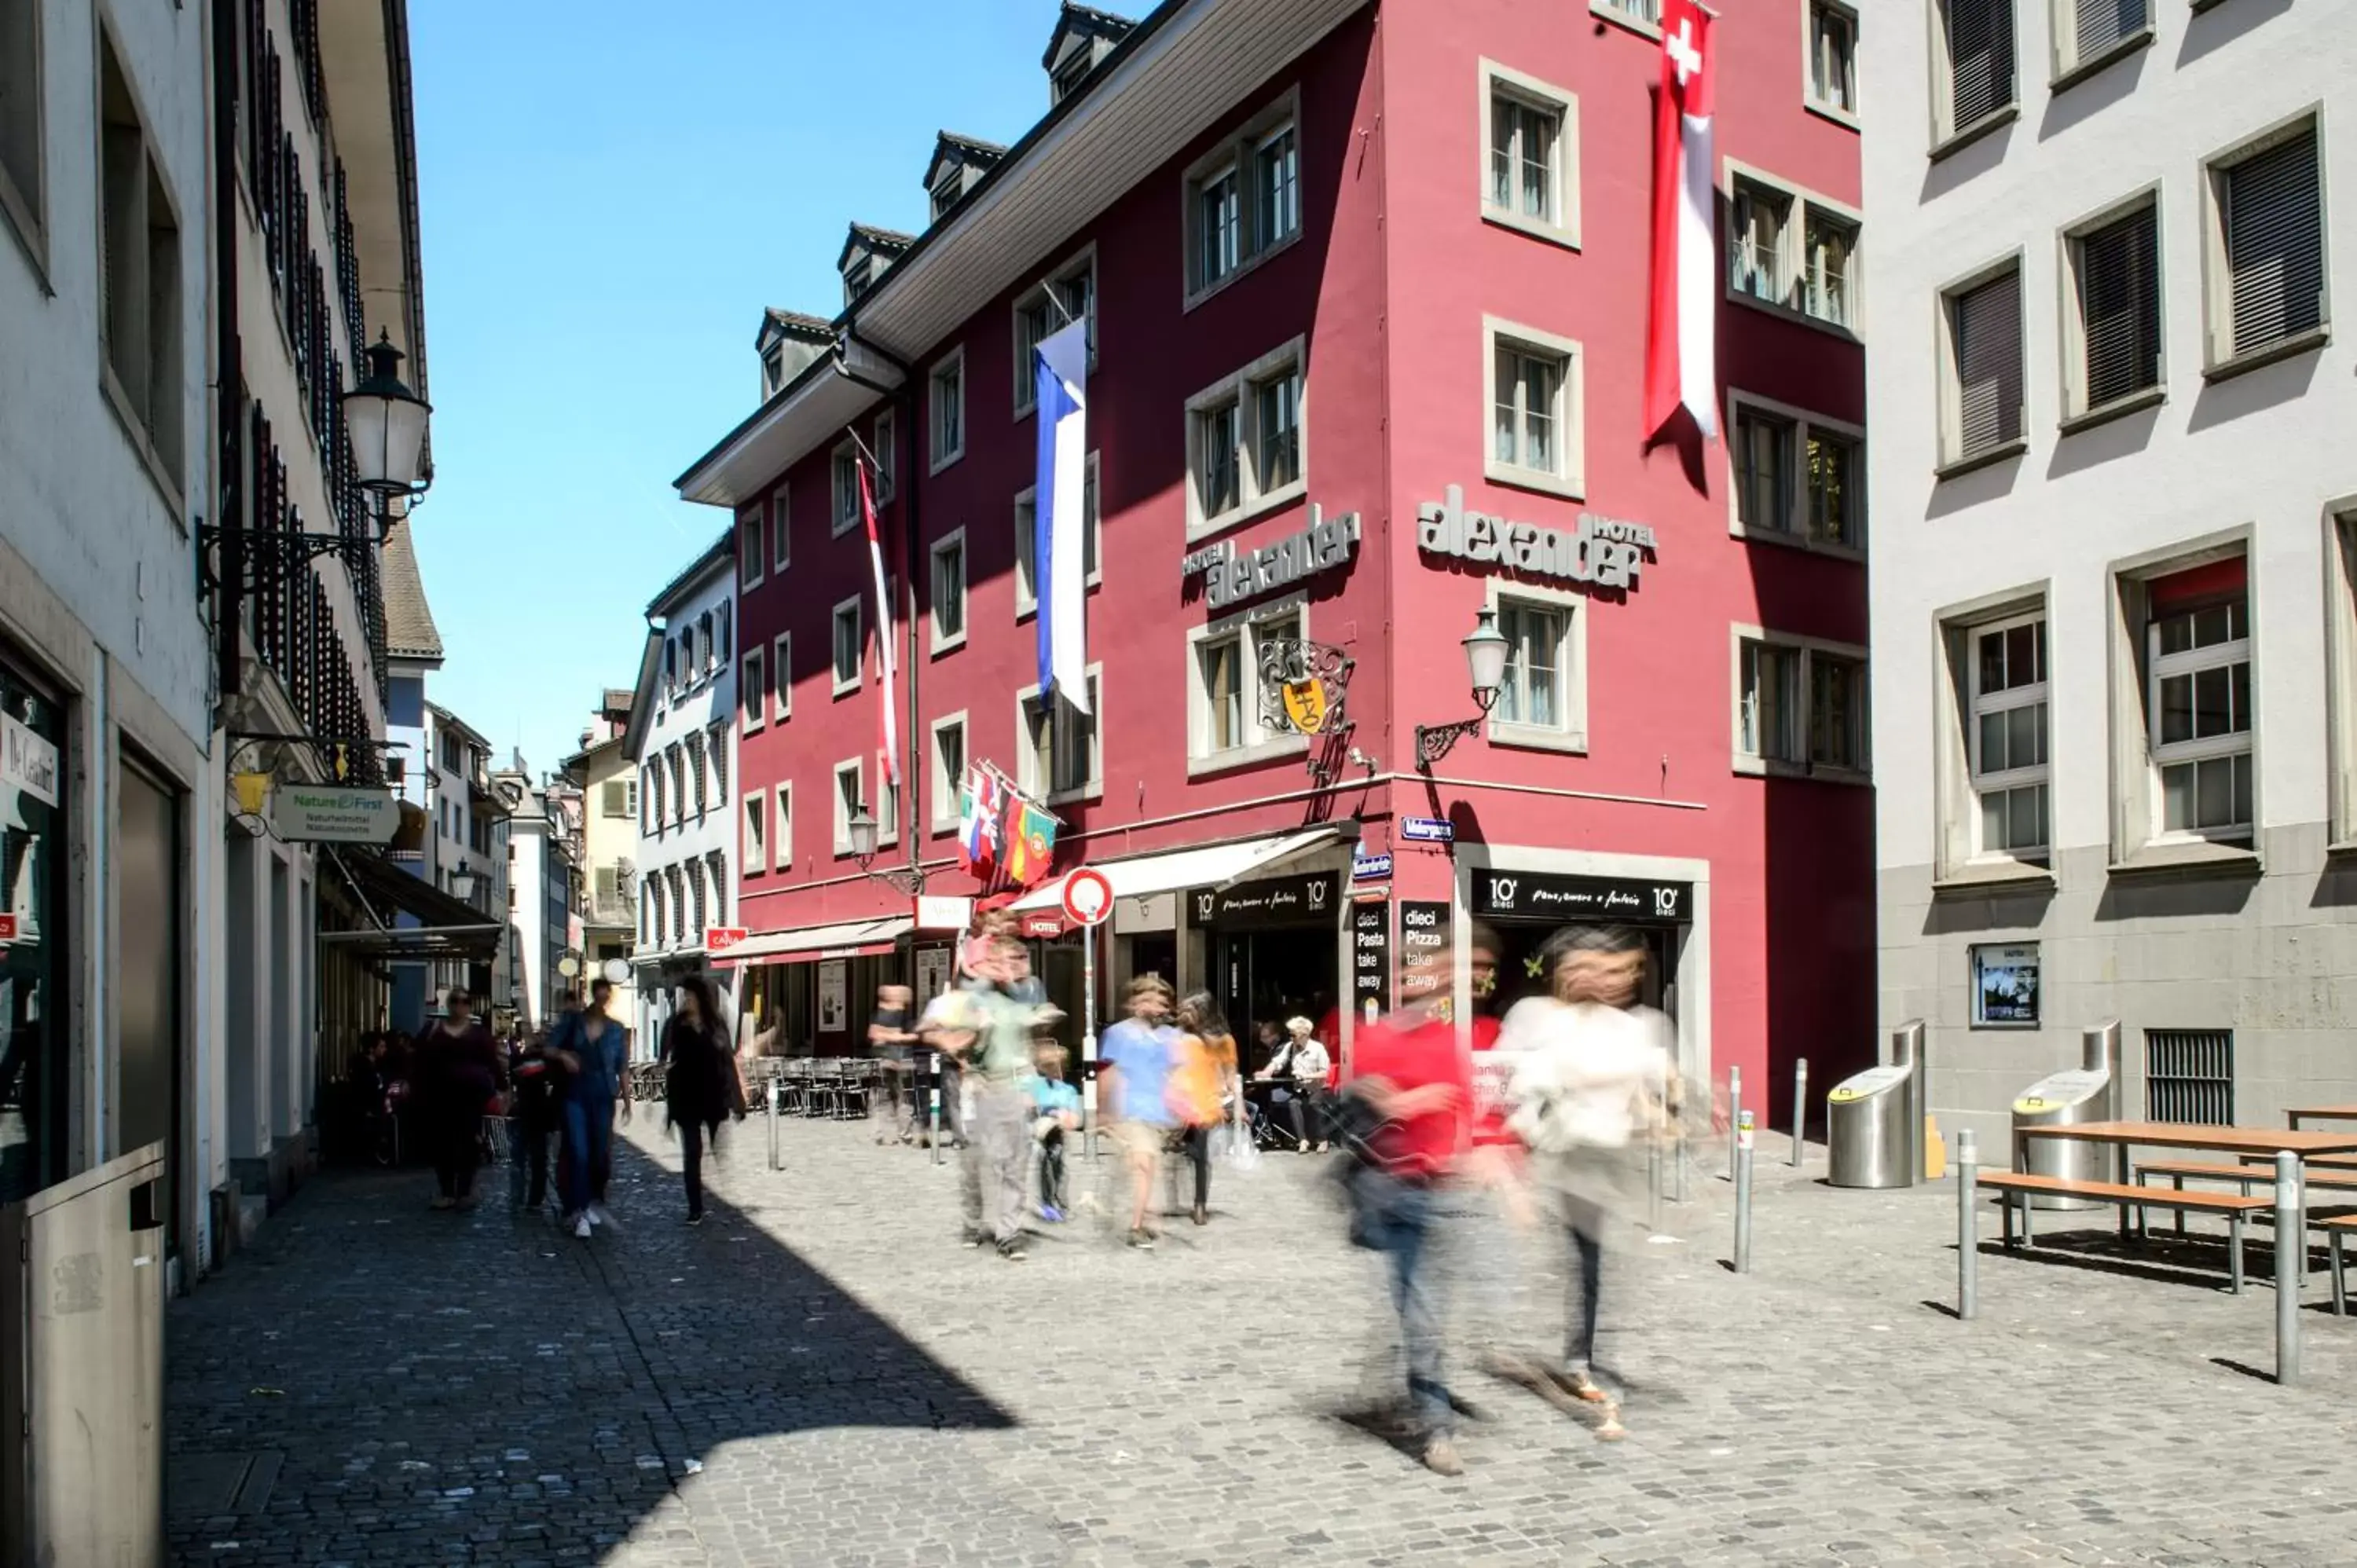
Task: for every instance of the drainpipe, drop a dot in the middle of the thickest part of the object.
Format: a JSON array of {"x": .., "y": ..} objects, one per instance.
[{"x": 904, "y": 426}]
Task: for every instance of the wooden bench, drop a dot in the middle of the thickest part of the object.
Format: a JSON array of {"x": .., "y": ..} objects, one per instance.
[
  {"x": 2179, "y": 1171},
  {"x": 2336, "y": 1232},
  {"x": 2017, "y": 1188}
]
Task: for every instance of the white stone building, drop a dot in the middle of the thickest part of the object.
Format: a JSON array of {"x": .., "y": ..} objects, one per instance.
[
  {"x": 2113, "y": 502},
  {"x": 682, "y": 740}
]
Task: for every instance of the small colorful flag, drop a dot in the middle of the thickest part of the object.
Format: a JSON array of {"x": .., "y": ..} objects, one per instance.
[
  {"x": 978, "y": 822},
  {"x": 1032, "y": 844}
]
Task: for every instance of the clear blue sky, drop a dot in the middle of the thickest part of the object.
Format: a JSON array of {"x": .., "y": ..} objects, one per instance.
[{"x": 610, "y": 194}]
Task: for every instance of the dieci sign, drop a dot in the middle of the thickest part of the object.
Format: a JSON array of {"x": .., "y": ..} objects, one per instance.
[
  {"x": 1286, "y": 901},
  {"x": 1237, "y": 575},
  {"x": 1517, "y": 894},
  {"x": 330, "y": 813},
  {"x": 1603, "y": 551}
]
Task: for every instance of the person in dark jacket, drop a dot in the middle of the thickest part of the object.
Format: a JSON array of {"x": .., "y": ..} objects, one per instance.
[
  {"x": 535, "y": 1118},
  {"x": 699, "y": 1082},
  {"x": 456, "y": 1070}
]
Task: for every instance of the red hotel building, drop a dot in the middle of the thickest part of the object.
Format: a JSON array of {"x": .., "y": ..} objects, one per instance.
[{"x": 1373, "y": 274}]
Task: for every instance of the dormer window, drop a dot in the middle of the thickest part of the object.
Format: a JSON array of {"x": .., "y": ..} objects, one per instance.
[
  {"x": 867, "y": 254},
  {"x": 773, "y": 370},
  {"x": 1074, "y": 71},
  {"x": 946, "y": 194},
  {"x": 855, "y": 280},
  {"x": 1082, "y": 38}
]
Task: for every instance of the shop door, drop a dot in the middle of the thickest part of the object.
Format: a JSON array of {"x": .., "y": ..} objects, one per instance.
[
  {"x": 147, "y": 977},
  {"x": 1272, "y": 975}
]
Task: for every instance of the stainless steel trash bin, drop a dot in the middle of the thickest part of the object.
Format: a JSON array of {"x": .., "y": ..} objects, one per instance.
[
  {"x": 2088, "y": 1093},
  {"x": 1874, "y": 1119}
]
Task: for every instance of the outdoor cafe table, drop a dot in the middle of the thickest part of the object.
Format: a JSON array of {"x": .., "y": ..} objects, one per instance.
[
  {"x": 2125, "y": 1135},
  {"x": 2321, "y": 1113}
]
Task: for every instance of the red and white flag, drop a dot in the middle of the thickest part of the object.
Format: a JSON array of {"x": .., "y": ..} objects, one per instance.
[
  {"x": 888, "y": 735},
  {"x": 1679, "y": 341}
]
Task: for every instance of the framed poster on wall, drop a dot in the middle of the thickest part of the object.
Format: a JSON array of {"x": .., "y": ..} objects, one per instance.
[
  {"x": 2005, "y": 985},
  {"x": 833, "y": 996},
  {"x": 933, "y": 974}
]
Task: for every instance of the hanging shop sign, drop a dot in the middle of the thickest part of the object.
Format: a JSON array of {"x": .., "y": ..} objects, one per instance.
[
  {"x": 1604, "y": 551},
  {"x": 1424, "y": 926},
  {"x": 719, "y": 940},
  {"x": 333, "y": 813},
  {"x": 28, "y": 762},
  {"x": 1371, "y": 954},
  {"x": 1520, "y": 895},
  {"x": 1283, "y": 901},
  {"x": 1234, "y": 576},
  {"x": 940, "y": 912}
]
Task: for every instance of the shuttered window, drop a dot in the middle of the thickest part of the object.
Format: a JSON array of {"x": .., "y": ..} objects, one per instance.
[
  {"x": 2119, "y": 307},
  {"x": 1980, "y": 59},
  {"x": 2097, "y": 25},
  {"x": 1984, "y": 331},
  {"x": 2271, "y": 207}
]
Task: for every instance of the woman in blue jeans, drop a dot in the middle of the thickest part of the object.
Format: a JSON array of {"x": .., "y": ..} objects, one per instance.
[{"x": 592, "y": 1047}]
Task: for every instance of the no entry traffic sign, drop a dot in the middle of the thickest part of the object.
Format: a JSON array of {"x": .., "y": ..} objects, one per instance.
[{"x": 1088, "y": 897}]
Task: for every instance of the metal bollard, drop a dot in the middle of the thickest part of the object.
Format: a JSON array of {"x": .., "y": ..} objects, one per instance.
[
  {"x": 1968, "y": 1230},
  {"x": 775, "y": 1164},
  {"x": 1653, "y": 1185},
  {"x": 1678, "y": 1164},
  {"x": 2291, "y": 1265},
  {"x": 1799, "y": 1110},
  {"x": 1733, "y": 1113},
  {"x": 933, "y": 1110},
  {"x": 1743, "y": 1192}
]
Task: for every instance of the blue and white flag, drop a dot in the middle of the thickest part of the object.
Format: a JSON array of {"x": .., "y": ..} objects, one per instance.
[{"x": 1061, "y": 369}]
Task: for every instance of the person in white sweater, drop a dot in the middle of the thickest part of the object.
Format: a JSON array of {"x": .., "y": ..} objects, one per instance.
[{"x": 1596, "y": 1075}]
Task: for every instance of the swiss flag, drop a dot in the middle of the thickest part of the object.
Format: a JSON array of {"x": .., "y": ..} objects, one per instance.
[{"x": 1680, "y": 339}]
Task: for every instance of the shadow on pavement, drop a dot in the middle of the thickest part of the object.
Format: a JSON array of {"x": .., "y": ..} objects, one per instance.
[{"x": 372, "y": 1383}]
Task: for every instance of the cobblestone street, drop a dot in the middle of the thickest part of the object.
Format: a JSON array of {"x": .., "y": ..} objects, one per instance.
[{"x": 820, "y": 1375}]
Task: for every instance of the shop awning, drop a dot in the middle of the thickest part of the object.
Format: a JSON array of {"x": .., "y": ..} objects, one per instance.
[
  {"x": 854, "y": 939},
  {"x": 1214, "y": 866},
  {"x": 448, "y": 928}
]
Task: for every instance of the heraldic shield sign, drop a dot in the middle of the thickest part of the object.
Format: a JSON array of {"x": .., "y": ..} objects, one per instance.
[
  {"x": 1304, "y": 685},
  {"x": 1305, "y": 705}
]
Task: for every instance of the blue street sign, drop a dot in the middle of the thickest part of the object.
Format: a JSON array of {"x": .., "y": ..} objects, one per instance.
[
  {"x": 1369, "y": 867},
  {"x": 1428, "y": 829}
]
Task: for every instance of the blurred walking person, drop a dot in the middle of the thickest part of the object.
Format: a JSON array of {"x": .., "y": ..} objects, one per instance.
[
  {"x": 457, "y": 1072},
  {"x": 591, "y": 1047},
  {"x": 1203, "y": 1086},
  {"x": 1134, "y": 1094},
  {"x": 1596, "y": 1075},
  {"x": 892, "y": 1036},
  {"x": 989, "y": 1034},
  {"x": 1407, "y": 1109},
  {"x": 699, "y": 1081},
  {"x": 1056, "y": 1116},
  {"x": 536, "y": 1119}
]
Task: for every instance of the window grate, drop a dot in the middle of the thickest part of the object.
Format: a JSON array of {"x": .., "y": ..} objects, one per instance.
[{"x": 2189, "y": 1076}]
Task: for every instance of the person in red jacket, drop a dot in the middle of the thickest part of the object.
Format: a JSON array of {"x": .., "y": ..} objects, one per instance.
[{"x": 457, "y": 1070}]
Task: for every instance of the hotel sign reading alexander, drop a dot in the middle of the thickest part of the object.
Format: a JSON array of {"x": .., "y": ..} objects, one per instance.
[{"x": 1604, "y": 551}]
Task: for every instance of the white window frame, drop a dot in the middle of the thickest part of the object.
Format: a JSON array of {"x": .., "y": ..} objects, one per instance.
[
  {"x": 943, "y": 455},
  {"x": 23, "y": 209},
  {"x": 937, "y": 641},
  {"x": 2077, "y": 412},
  {"x": 1081, "y": 263},
  {"x": 752, "y": 679},
  {"x": 2159, "y": 667},
  {"x": 884, "y": 441},
  {"x": 752, "y": 565},
  {"x": 1261, "y": 743},
  {"x": 1947, "y": 135},
  {"x": 142, "y": 361},
  {"x": 1027, "y": 756},
  {"x": 1792, "y": 260},
  {"x": 1570, "y": 480},
  {"x": 857, "y": 769},
  {"x": 2219, "y": 358},
  {"x": 781, "y": 677},
  {"x": 2070, "y": 64},
  {"x": 1530, "y": 93},
  {"x": 846, "y": 499},
  {"x": 1810, "y": 98},
  {"x": 1953, "y": 460},
  {"x": 782, "y": 826},
  {"x": 858, "y": 609},
  {"x": 677, "y": 760},
  {"x": 1797, "y": 500},
  {"x": 1239, "y": 151},
  {"x": 945, "y": 790},
  {"x": 1809, "y": 648},
  {"x": 1026, "y": 599},
  {"x": 716, "y": 748},
  {"x": 2037, "y": 694},
  {"x": 781, "y": 531},
  {"x": 1629, "y": 14},
  {"x": 1570, "y": 733},
  {"x": 753, "y": 818},
  {"x": 2340, "y": 669},
  {"x": 1242, "y": 388}
]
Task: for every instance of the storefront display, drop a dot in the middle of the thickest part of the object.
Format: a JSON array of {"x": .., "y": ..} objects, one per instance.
[
  {"x": 1272, "y": 947},
  {"x": 34, "y": 1076}
]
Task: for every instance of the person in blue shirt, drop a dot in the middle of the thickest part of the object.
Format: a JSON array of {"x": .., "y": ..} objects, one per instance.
[
  {"x": 593, "y": 1048},
  {"x": 1132, "y": 1091},
  {"x": 1059, "y": 1112}
]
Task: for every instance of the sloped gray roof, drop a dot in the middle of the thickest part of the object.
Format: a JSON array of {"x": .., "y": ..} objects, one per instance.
[{"x": 409, "y": 629}]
